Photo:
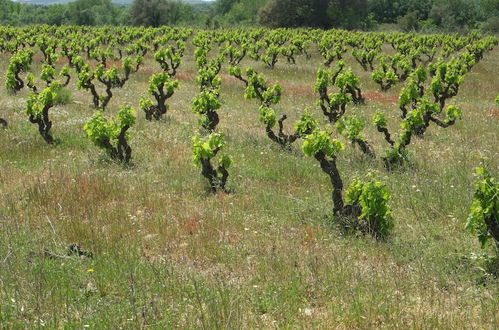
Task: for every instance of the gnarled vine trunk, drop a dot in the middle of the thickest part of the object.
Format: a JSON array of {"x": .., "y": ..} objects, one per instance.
[
  {"x": 284, "y": 140},
  {"x": 44, "y": 124},
  {"x": 330, "y": 168},
  {"x": 216, "y": 177}
]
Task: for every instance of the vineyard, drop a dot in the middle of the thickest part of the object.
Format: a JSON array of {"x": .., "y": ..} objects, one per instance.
[{"x": 248, "y": 178}]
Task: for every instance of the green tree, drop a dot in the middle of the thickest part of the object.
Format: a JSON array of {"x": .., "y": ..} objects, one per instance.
[
  {"x": 294, "y": 13},
  {"x": 348, "y": 14},
  {"x": 156, "y": 12},
  {"x": 57, "y": 15},
  {"x": 385, "y": 11},
  {"x": 420, "y": 7},
  {"x": 92, "y": 12},
  {"x": 450, "y": 14},
  {"x": 409, "y": 22},
  {"x": 241, "y": 12},
  {"x": 285, "y": 13},
  {"x": 224, "y": 6}
]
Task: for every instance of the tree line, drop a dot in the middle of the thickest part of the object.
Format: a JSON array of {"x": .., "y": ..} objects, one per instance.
[
  {"x": 103, "y": 12},
  {"x": 407, "y": 15}
]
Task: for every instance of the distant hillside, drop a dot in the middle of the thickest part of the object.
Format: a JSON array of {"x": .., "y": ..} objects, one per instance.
[{"x": 121, "y": 2}]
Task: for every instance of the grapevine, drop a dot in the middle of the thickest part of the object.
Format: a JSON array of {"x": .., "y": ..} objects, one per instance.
[
  {"x": 37, "y": 108},
  {"x": 112, "y": 135},
  {"x": 204, "y": 151},
  {"x": 161, "y": 87},
  {"x": 484, "y": 214}
]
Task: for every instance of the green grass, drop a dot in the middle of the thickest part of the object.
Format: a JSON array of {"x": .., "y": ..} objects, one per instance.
[{"x": 169, "y": 254}]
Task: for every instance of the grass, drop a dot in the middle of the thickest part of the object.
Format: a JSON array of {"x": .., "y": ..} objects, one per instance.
[{"x": 169, "y": 254}]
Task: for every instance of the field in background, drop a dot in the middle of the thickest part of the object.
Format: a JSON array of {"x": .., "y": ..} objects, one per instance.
[{"x": 167, "y": 253}]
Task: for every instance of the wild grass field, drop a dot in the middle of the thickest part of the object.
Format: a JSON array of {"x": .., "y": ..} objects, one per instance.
[{"x": 169, "y": 254}]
